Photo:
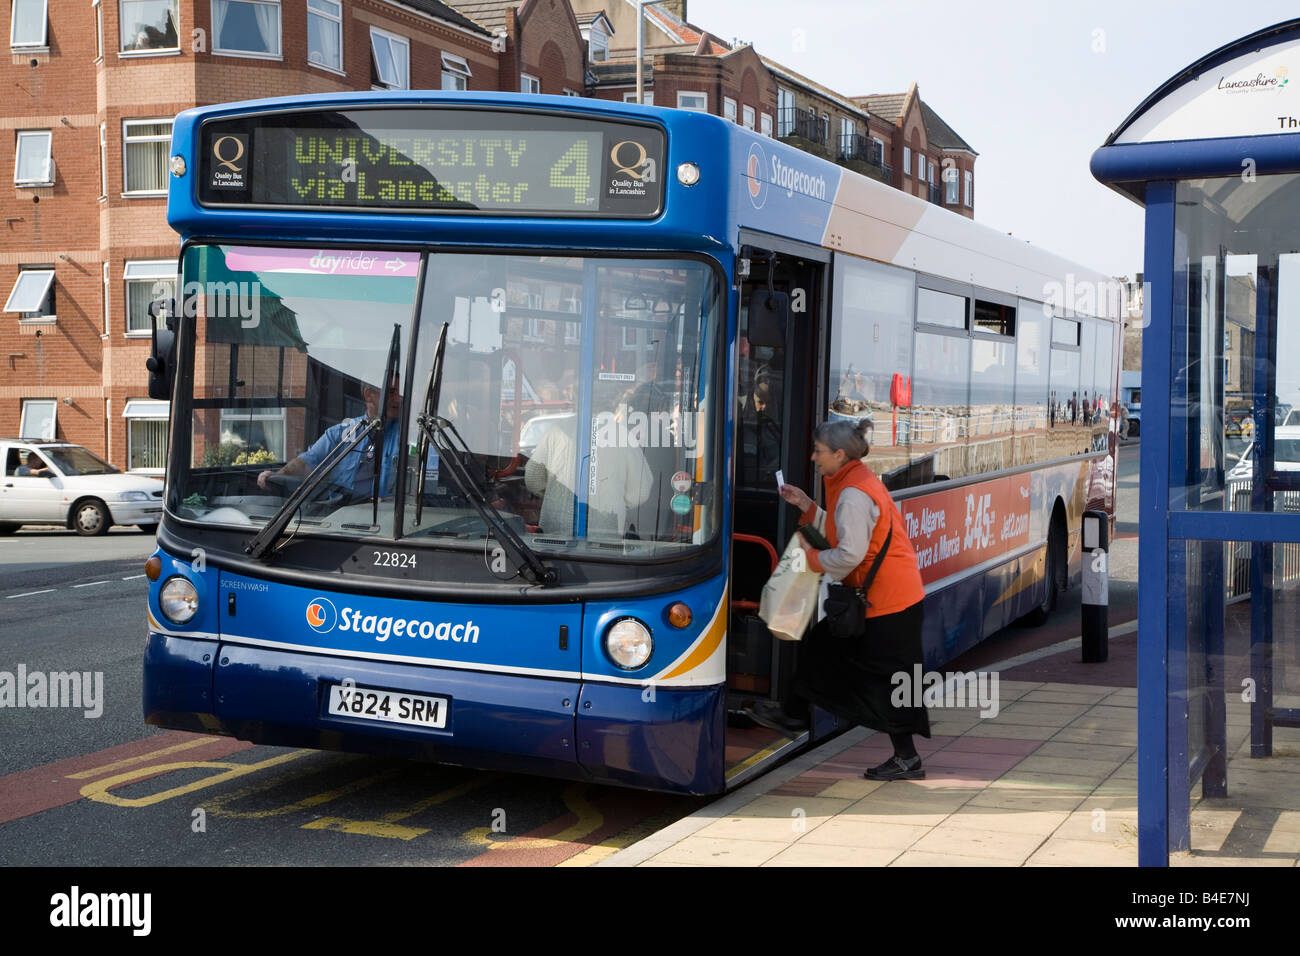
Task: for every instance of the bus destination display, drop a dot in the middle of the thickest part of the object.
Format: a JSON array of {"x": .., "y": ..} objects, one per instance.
[{"x": 562, "y": 166}]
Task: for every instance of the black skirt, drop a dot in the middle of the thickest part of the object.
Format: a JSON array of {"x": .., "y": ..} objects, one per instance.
[{"x": 854, "y": 679}]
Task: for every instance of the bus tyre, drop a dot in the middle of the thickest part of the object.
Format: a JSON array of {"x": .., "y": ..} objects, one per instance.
[
  {"x": 148, "y": 528},
  {"x": 90, "y": 518},
  {"x": 1053, "y": 576}
]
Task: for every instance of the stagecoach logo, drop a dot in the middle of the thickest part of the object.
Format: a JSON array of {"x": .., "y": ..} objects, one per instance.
[
  {"x": 321, "y": 615},
  {"x": 754, "y": 173},
  {"x": 229, "y": 168},
  {"x": 1258, "y": 82}
]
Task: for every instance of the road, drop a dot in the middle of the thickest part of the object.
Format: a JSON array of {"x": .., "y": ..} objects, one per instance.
[{"x": 109, "y": 790}]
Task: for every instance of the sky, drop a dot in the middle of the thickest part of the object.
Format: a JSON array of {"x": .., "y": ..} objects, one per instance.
[{"x": 1034, "y": 88}]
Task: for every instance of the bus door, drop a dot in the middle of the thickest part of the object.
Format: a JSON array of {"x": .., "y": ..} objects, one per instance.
[{"x": 779, "y": 389}]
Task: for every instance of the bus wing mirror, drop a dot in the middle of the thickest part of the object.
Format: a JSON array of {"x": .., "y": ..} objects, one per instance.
[
  {"x": 162, "y": 351},
  {"x": 768, "y": 313}
]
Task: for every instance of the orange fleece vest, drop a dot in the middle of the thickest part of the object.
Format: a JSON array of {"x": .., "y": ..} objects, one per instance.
[{"x": 897, "y": 585}]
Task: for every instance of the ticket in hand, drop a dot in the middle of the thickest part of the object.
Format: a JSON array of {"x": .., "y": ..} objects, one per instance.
[{"x": 780, "y": 481}]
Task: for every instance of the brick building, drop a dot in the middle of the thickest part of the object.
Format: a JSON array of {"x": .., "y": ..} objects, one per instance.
[
  {"x": 94, "y": 86},
  {"x": 87, "y": 127}
]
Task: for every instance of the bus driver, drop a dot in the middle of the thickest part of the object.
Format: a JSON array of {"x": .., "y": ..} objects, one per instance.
[{"x": 355, "y": 474}]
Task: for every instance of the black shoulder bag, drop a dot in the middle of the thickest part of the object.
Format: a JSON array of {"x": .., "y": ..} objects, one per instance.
[{"x": 846, "y": 607}]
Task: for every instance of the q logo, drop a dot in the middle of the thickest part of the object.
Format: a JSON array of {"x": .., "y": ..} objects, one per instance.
[
  {"x": 228, "y": 151},
  {"x": 754, "y": 173},
  {"x": 617, "y": 154},
  {"x": 321, "y": 615}
]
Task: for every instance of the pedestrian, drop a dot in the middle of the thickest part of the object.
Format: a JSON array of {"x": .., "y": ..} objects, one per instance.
[{"x": 854, "y": 677}]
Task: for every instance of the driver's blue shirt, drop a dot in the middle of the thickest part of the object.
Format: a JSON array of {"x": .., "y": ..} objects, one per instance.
[{"x": 356, "y": 472}]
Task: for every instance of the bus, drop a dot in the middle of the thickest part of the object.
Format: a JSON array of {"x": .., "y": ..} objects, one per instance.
[{"x": 478, "y": 402}]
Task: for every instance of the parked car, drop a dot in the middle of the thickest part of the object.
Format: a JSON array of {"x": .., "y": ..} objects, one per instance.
[{"x": 51, "y": 482}]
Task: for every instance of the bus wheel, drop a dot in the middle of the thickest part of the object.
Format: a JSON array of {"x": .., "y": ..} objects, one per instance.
[{"x": 1053, "y": 576}]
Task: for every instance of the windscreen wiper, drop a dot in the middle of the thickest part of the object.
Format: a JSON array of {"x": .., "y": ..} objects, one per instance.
[
  {"x": 390, "y": 371},
  {"x": 442, "y": 435},
  {"x": 263, "y": 540}
]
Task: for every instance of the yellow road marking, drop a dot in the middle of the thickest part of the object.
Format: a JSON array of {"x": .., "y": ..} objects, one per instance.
[
  {"x": 131, "y": 761},
  {"x": 99, "y": 790},
  {"x": 589, "y": 820},
  {"x": 387, "y": 825},
  {"x": 219, "y": 805}
]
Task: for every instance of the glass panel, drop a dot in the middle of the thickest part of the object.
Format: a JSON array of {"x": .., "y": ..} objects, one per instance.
[
  {"x": 1237, "y": 328},
  {"x": 1236, "y": 679},
  {"x": 246, "y": 26},
  {"x": 940, "y": 308},
  {"x": 992, "y": 403},
  {"x": 148, "y": 441},
  {"x": 29, "y": 291},
  {"x": 383, "y": 53},
  {"x": 940, "y": 414},
  {"x": 75, "y": 460},
  {"x": 324, "y": 34},
  {"x": 147, "y": 25},
  {"x": 585, "y": 446},
  {"x": 33, "y": 162},
  {"x": 37, "y": 420},
  {"x": 584, "y": 388},
  {"x": 28, "y": 24},
  {"x": 871, "y": 362},
  {"x": 147, "y": 148},
  {"x": 139, "y": 294},
  {"x": 1031, "y": 384}
]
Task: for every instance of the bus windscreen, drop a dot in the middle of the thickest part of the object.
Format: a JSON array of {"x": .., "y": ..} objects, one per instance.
[{"x": 436, "y": 160}]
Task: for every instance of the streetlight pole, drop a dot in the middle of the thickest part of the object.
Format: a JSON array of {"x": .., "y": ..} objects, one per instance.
[{"x": 640, "y": 46}]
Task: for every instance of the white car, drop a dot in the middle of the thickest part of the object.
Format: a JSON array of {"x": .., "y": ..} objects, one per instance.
[{"x": 57, "y": 483}]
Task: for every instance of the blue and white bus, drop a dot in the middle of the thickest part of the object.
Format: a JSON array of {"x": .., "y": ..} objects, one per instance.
[{"x": 478, "y": 402}]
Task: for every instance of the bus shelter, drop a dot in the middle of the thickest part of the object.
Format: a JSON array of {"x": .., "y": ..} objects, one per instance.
[{"x": 1214, "y": 157}]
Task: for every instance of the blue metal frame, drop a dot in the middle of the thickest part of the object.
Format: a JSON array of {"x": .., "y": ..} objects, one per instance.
[{"x": 1153, "y": 546}]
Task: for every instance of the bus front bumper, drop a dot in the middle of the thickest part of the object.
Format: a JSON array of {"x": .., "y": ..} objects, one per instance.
[{"x": 668, "y": 739}]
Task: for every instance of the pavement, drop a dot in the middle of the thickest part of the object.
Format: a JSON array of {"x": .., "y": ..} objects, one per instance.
[{"x": 1050, "y": 780}]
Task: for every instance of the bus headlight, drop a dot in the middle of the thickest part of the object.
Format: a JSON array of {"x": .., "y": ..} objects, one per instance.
[
  {"x": 628, "y": 643},
  {"x": 178, "y": 600}
]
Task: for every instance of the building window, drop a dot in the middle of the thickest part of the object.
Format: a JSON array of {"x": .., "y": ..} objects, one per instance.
[
  {"x": 99, "y": 30},
  {"x": 765, "y": 124},
  {"x": 569, "y": 92},
  {"x": 390, "y": 60},
  {"x": 950, "y": 186},
  {"x": 648, "y": 98},
  {"x": 729, "y": 108},
  {"x": 33, "y": 162},
  {"x": 529, "y": 84},
  {"x": 970, "y": 189},
  {"x": 106, "y": 305},
  {"x": 103, "y": 160},
  {"x": 930, "y": 172},
  {"x": 907, "y": 160},
  {"x": 747, "y": 113},
  {"x": 146, "y": 435},
  {"x": 255, "y": 430},
  {"x": 784, "y": 112},
  {"x": 696, "y": 102},
  {"x": 33, "y": 294},
  {"x": 145, "y": 282},
  {"x": 28, "y": 30},
  {"x": 246, "y": 27},
  {"x": 38, "y": 419},
  {"x": 455, "y": 72},
  {"x": 145, "y": 145},
  {"x": 146, "y": 25},
  {"x": 598, "y": 46},
  {"x": 325, "y": 34}
]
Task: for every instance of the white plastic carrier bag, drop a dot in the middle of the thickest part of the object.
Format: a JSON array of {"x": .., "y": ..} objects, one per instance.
[{"x": 790, "y": 595}]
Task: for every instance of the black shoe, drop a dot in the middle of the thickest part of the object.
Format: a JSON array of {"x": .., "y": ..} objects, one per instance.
[
  {"x": 772, "y": 715},
  {"x": 897, "y": 768}
]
